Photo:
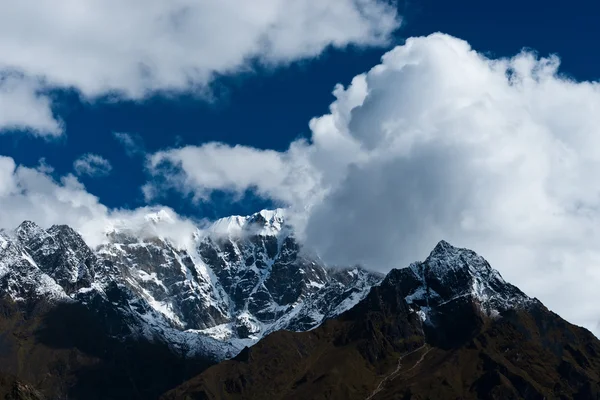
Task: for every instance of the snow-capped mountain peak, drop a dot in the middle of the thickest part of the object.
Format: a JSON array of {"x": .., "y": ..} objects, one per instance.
[
  {"x": 452, "y": 275},
  {"x": 215, "y": 290},
  {"x": 155, "y": 225},
  {"x": 229, "y": 285},
  {"x": 445, "y": 261}
]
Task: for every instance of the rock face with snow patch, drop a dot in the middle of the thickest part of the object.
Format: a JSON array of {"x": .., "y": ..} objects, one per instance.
[
  {"x": 445, "y": 287},
  {"x": 20, "y": 277},
  {"x": 224, "y": 289},
  {"x": 60, "y": 252},
  {"x": 270, "y": 282}
]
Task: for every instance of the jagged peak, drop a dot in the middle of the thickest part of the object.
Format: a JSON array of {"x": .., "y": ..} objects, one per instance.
[
  {"x": 155, "y": 225},
  {"x": 446, "y": 257},
  {"x": 27, "y": 230},
  {"x": 277, "y": 214},
  {"x": 451, "y": 273},
  {"x": 27, "y": 225},
  {"x": 446, "y": 250},
  {"x": 442, "y": 247},
  {"x": 62, "y": 229},
  {"x": 69, "y": 235},
  {"x": 159, "y": 216}
]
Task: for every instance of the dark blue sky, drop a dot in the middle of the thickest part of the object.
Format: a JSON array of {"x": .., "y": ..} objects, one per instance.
[{"x": 269, "y": 109}]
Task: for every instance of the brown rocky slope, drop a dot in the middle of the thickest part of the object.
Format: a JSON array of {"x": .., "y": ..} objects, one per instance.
[
  {"x": 64, "y": 351},
  {"x": 447, "y": 328}
]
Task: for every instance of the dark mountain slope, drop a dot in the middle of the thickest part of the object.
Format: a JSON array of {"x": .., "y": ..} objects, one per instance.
[
  {"x": 65, "y": 352},
  {"x": 13, "y": 389},
  {"x": 447, "y": 328}
]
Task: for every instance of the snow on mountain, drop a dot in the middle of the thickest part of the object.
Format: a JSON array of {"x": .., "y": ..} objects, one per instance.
[
  {"x": 451, "y": 276},
  {"x": 212, "y": 293},
  {"x": 60, "y": 252},
  {"x": 21, "y": 277}
]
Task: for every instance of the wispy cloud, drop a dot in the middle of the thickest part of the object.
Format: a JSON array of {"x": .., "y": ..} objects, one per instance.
[
  {"x": 131, "y": 142},
  {"x": 92, "y": 165}
]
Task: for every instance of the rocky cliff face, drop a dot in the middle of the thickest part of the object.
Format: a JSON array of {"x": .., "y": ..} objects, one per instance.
[
  {"x": 59, "y": 252},
  {"x": 227, "y": 287}
]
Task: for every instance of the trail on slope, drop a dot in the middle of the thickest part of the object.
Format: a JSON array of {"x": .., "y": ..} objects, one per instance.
[
  {"x": 418, "y": 362},
  {"x": 395, "y": 373}
]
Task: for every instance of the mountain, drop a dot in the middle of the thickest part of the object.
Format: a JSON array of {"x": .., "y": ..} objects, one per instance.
[
  {"x": 143, "y": 315},
  {"x": 140, "y": 313},
  {"x": 446, "y": 328}
]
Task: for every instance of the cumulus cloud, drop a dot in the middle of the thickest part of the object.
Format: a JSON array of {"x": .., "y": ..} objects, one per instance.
[
  {"x": 32, "y": 194},
  {"x": 92, "y": 165},
  {"x": 133, "y": 48},
  {"x": 440, "y": 142}
]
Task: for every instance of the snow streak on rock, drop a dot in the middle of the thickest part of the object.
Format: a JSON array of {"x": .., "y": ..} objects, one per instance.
[{"x": 225, "y": 289}]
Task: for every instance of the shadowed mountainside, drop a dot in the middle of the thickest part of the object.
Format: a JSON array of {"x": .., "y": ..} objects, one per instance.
[{"x": 64, "y": 351}]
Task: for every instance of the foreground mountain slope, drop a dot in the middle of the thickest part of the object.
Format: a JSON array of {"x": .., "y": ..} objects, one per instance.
[
  {"x": 447, "y": 328},
  {"x": 66, "y": 351},
  {"x": 13, "y": 389}
]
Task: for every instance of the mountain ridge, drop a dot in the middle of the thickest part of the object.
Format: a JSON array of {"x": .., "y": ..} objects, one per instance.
[
  {"x": 229, "y": 286},
  {"x": 136, "y": 315}
]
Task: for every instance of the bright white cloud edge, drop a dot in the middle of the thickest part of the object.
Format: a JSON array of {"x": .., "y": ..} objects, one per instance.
[{"x": 133, "y": 49}]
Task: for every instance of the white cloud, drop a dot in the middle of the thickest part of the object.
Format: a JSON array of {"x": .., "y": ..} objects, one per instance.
[
  {"x": 23, "y": 104},
  {"x": 134, "y": 48},
  {"x": 32, "y": 194},
  {"x": 441, "y": 142},
  {"x": 92, "y": 165},
  {"x": 198, "y": 170},
  {"x": 133, "y": 143}
]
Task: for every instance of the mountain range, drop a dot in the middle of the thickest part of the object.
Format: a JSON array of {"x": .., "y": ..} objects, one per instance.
[
  {"x": 242, "y": 310},
  {"x": 224, "y": 289}
]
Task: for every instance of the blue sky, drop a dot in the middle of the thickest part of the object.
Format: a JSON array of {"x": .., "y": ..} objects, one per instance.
[
  {"x": 269, "y": 108},
  {"x": 486, "y": 135}
]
